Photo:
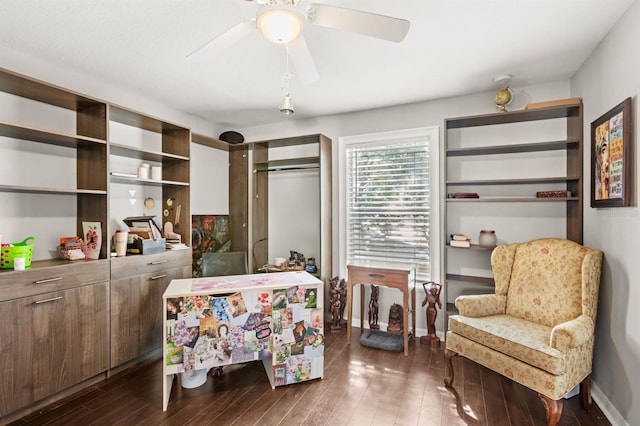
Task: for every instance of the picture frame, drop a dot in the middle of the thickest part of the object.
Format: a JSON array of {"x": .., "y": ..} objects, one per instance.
[{"x": 611, "y": 157}]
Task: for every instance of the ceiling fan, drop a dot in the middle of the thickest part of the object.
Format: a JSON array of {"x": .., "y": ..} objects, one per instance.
[{"x": 282, "y": 22}]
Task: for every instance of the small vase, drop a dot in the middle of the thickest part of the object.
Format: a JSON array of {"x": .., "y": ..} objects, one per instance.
[
  {"x": 487, "y": 238},
  {"x": 93, "y": 241}
]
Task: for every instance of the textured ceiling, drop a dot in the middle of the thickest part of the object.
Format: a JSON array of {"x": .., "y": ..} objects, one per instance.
[{"x": 453, "y": 47}]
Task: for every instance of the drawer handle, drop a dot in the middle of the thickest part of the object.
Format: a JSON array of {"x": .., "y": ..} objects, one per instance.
[
  {"x": 53, "y": 299},
  {"x": 157, "y": 277},
  {"x": 48, "y": 280},
  {"x": 376, "y": 275},
  {"x": 158, "y": 262}
]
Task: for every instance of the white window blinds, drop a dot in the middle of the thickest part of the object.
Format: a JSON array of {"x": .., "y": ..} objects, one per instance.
[{"x": 388, "y": 203}]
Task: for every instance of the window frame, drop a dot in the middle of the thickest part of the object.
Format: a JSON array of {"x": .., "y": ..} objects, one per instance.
[{"x": 432, "y": 134}]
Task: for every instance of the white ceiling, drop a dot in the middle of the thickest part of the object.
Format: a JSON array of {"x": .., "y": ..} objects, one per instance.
[{"x": 453, "y": 47}]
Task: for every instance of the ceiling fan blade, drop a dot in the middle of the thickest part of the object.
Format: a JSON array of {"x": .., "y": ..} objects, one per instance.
[
  {"x": 302, "y": 60},
  {"x": 371, "y": 24},
  {"x": 223, "y": 41}
]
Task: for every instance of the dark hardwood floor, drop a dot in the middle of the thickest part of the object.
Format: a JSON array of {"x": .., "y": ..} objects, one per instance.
[{"x": 361, "y": 386}]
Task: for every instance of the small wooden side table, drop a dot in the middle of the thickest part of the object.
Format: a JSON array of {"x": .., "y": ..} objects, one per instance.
[{"x": 393, "y": 277}]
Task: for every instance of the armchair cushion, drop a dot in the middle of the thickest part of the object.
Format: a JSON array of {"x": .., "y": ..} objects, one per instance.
[
  {"x": 572, "y": 334},
  {"x": 514, "y": 337},
  {"x": 481, "y": 305},
  {"x": 545, "y": 284}
]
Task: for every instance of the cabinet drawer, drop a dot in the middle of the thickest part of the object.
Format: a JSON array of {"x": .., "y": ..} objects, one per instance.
[
  {"x": 14, "y": 284},
  {"x": 382, "y": 277},
  {"x": 128, "y": 266}
]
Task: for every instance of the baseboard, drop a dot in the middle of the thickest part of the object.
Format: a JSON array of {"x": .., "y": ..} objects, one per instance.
[{"x": 606, "y": 406}]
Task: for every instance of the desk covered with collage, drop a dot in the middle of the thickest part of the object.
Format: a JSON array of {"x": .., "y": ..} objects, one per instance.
[{"x": 276, "y": 318}]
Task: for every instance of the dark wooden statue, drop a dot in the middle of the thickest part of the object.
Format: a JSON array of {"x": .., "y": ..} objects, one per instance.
[
  {"x": 396, "y": 323},
  {"x": 431, "y": 299},
  {"x": 373, "y": 308},
  {"x": 336, "y": 304},
  {"x": 342, "y": 286}
]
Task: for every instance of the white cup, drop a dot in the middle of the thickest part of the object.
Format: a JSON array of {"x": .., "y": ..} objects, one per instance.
[
  {"x": 143, "y": 172},
  {"x": 19, "y": 263},
  {"x": 121, "y": 238},
  {"x": 279, "y": 261},
  {"x": 156, "y": 173}
]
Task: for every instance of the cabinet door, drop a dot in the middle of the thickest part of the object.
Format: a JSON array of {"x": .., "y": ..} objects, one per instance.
[
  {"x": 136, "y": 313},
  {"x": 50, "y": 342}
]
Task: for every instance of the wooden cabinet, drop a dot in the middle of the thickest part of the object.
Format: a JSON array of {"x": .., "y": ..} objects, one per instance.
[
  {"x": 86, "y": 144},
  {"x": 266, "y": 162},
  {"x": 59, "y": 316},
  {"x": 137, "y": 285},
  {"x": 506, "y": 158},
  {"x": 168, "y": 147},
  {"x": 55, "y": 338},
  {"x": 238, "y": 189}
]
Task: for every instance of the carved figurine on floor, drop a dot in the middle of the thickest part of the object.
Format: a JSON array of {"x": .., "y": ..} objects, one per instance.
[
  {"x": 342, "y": 287},
  {"x": 334, "y": 300},
  {"x": 432, "y": 298},
  {"x": 373, "y": 308},
  {"x": 395, "y": 319}
]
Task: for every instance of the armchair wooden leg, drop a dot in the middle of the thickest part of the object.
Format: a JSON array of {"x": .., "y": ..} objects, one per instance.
[
  {"x": 448, "y": 365},
  {"x": 585, "y": 392},
  {"x": 553, "y": 408}
]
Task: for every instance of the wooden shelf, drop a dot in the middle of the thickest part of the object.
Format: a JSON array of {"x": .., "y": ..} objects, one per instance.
[
  {"x": 301, "y": 163},
  {"x": 513, "y": 148},
  {"x": 152, "y": 182},
  {"x": 472, "y": 247},
  {"x": 515, "y": 116},
  {"x": 211, "y": 142},
  {"x": 510, "y": 199},
  {"x": 42, "y": 92},
  {"x": 44, "y": 190},
  {"x": 17, "y": 131},
  {"x": 522, "y": 181},
  {"x": 141, "y": 154},
  {"x": 470, "y": 279}
]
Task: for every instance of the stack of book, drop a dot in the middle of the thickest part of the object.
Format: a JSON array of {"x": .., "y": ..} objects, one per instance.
[
  {"x": 460, "y": 240},
  {"x": 464, "y": 195},
  {"x": 553, "y": 194}
]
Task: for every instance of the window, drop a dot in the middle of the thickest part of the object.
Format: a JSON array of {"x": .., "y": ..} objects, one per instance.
[{"x": 389, "y": 198}]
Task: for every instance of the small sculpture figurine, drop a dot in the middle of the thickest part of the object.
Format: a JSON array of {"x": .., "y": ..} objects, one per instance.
[
  {"x": 373, "y": 308},
  {"x": 342, "y": 287},
  {"x": 432, "y": 298},
  {"x": 396, "y": 324},
  {"x": 336, "y": 304}
]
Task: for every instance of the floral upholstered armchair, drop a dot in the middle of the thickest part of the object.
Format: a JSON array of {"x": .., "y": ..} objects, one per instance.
[{"x": 538, "y": 328}]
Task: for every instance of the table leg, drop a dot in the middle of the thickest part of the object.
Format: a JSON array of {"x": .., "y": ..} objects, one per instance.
[
  {"x": 349, "y": 310},
  {"x": 413, "y": 310},
  {"x": 405, "y": 313},
  {"x": 361, "y": 307}
]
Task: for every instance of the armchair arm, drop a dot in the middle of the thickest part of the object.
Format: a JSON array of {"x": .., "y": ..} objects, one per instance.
[
  {"x": 481, "y": 305},
  {"x": 572, "y": 334}
]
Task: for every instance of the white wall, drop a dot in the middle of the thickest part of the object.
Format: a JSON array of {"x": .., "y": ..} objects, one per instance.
[
  {"x": 610, "y": 75},
  {"x": 209, "y": 180}
]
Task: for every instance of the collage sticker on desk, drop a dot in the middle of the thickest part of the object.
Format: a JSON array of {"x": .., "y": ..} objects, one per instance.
[{"x": 208, "y": 331}]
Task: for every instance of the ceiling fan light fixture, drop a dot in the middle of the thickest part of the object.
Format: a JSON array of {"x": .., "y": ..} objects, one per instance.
[
  {"x": 279, "y": 24},
  {"x": 286, "y": 107}
]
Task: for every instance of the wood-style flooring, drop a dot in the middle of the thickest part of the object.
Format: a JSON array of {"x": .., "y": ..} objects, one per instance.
[{"x": 361, "y": 386}]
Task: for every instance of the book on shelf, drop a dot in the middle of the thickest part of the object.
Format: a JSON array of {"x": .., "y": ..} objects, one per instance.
[
  {"x": 553, "y": 194},
  {"x": 459, "y": 237},
  {"x": 554, "y": 103},
  {"x": 460, "y": 243},
  {"x": 464, "y": 195},
  {"x": 176, "y": 246}
]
